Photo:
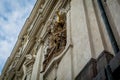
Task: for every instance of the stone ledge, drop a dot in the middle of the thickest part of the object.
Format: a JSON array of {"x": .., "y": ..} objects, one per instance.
[
  {"x": 113, "y": 72},
  {"x": 89, "y": 71},
  {"x": 100, "y": 75},
  {"x": 103, "y": 60},
  {"x": 95, "y": 68}
]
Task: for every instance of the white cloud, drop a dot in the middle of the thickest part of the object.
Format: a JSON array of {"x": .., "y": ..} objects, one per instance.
[{"x": 13, "y": 14}]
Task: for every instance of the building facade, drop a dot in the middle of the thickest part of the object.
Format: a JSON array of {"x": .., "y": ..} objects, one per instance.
[{"x": 68, "y": 40}]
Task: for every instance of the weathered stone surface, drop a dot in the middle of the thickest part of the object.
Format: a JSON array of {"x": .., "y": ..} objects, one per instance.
[
  {"x": 64, "y": 71},
  {"x": 100, "y": 75},
  {"x": 112, "y": 10},
  {"x": 79, "y": 41},
  {"x": 81, "y": 50},
  {"x": 115, "y": 66},
  {"x": 88, "y": 72},
  {"x": 115, "y": 62},
  {"x": 103, "y": 60}
]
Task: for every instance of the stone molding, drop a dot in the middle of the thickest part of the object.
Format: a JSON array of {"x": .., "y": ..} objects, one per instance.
[{"x": 58, "y": 58}]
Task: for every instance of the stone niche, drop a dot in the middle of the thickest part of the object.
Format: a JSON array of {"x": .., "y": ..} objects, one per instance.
[{"x": 55, "y": 40}]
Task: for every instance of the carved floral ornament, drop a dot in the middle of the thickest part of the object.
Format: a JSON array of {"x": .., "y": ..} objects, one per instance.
[{"x": 56, "y": 39}]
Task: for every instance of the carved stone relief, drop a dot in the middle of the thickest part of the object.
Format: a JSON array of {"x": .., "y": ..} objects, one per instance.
[
  {"x": 28, "y": 65},
  {"x": 56, "y": 38}
]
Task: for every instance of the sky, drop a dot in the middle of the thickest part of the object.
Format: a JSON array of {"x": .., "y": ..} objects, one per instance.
[{"x": 13, "y": 14}]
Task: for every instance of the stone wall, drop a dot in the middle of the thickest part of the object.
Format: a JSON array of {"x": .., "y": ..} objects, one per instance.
[{"x": 67, "y": 40}]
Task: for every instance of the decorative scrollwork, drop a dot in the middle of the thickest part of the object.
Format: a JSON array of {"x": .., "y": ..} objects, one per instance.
[{"x": 56, "y": 38}]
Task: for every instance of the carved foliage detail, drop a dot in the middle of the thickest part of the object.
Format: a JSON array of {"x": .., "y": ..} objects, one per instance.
[{"x": 56, "y": 39}]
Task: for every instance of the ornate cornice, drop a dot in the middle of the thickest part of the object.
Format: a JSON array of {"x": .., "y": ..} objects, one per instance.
[
  {"x": 23, "y": 31},
  {"x": 39, "y": 19}
]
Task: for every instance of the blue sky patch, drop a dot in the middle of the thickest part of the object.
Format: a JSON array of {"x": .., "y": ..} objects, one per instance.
[{"x": 13, "y": 14}]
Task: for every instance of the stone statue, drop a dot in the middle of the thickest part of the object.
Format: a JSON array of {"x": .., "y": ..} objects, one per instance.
[
  {"x": 28, "y": 62},
  {"x": 24, "y": 71},
  {"x": 60, "y": 18},
  {"x": 56, "y": 38}
]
